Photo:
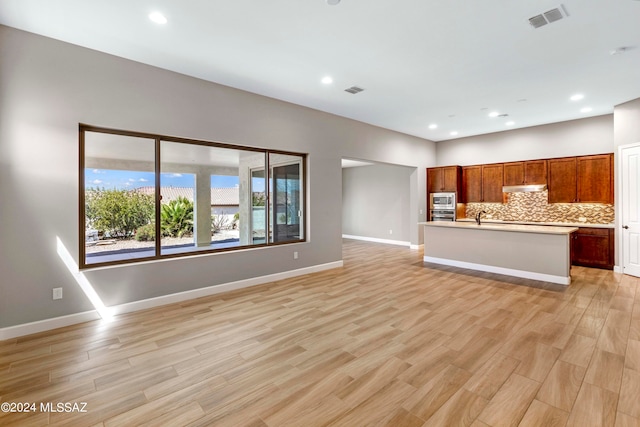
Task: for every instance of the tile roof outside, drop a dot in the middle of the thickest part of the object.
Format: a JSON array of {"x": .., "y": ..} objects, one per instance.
[{"x": 219, "y": 196}]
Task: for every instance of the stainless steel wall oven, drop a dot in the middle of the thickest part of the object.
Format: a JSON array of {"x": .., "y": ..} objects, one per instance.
[{"x": 442, "y": 206}]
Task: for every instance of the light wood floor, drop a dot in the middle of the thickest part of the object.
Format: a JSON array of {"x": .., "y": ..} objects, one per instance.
[{"x": 385, "y": 341}]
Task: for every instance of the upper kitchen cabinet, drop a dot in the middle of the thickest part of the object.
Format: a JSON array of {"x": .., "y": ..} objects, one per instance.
[
  {"x": 444, "y": 179},
  {"x": 525, "y": 173},
  {"x": 562, "y": 180},
  {"x": 492, "y": 178},
  {"x": 471, "y": 184},
  {"x": 585, "y": 179},
  {"x": 595, "y": 179},
  {"x": 482, "y": 183}
]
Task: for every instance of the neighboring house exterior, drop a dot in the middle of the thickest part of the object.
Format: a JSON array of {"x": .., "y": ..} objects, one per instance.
[{"x": 224, "y": 201}]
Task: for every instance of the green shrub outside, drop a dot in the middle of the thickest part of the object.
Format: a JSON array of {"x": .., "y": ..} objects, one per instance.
[
  {"x": 176, "y": 218},
  {"x": 118, "y": 213},
  {"x": 146, "y": 233},
  {"x": 123, "y": 213}
]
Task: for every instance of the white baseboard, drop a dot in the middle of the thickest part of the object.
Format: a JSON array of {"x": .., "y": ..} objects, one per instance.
[
  {"x": 416, "y": 246},
  {"x": 47, "y": 324},
  {"x": 561, "y": 280},
  {"x": 617, "y": 269},
  {"x": 58, "y": 322},
  {"x": 376, "y": 240}
]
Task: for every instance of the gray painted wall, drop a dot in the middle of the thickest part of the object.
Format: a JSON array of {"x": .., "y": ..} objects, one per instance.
[
  {"x": 47, "y": 87},
  {"x": 626, "y": 123},
  {"x": 571, "y": 138},
  {"x": 375, "y": 199}
]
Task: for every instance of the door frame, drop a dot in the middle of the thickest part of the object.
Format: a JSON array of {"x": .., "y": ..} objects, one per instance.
[{"x": 619, "y": 265}]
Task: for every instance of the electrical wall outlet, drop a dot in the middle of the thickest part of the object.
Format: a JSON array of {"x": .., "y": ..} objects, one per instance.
[
  {"x": 295, "y": 255},
  {"x": 390, "y": 231},
  {"x": 57, "y": 293}
]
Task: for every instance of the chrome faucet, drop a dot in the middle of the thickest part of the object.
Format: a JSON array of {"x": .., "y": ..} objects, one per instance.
[{"x": 478, "y": 215}]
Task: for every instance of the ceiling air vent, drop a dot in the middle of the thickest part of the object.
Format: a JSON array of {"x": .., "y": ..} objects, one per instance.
[
  {"x": 549, "y": 17},
  {"x": 537, "y": 21},
  {"x": 354, "y": 89}
]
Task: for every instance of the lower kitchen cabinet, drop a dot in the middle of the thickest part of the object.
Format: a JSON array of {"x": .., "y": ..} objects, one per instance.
[{"x": 593, "y": 247}]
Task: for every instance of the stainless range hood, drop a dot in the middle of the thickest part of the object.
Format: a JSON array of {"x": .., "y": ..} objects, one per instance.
[{"x": 524, "y": 188}]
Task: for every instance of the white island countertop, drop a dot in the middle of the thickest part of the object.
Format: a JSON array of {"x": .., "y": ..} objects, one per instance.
[
  {"x": 519, "y": 228},
  {"x": 554, "y": 224}
]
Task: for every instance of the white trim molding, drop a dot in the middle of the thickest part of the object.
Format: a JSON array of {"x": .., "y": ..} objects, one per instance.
[
  {"x": 561, "y": 280},
  {"x": 72, "y": 319},
  {"x": 376, "y": 240},
  {"x": 47, "y": 324}
]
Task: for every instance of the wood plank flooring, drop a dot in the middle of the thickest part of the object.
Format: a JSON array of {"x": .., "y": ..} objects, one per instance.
[{"x": 385, "y": 341}]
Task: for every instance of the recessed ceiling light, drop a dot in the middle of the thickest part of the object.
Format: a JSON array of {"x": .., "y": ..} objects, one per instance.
[
  {"x": 454, "y": 133},
  {"x": 158, "y": 18},
  {"x": 327, "y": 80},
  {"x": 577, "y": 97},
  {"x": 522, "y": 100},
  {"x": 511, "y": 123},
  {"x": 494, "y": 114},
  {"x": 333, "y": 2},
  {"x": 586, "y": 110},
  {"x": 433, "y": 126}
]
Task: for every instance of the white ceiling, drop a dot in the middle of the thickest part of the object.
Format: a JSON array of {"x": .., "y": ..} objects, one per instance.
[{"x": 449, "y": 62}]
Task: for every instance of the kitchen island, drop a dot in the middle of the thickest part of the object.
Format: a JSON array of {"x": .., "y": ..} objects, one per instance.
[{"x": 528, "y": 251}]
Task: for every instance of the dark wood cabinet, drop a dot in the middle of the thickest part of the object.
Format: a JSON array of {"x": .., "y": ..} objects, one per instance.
[
  {"x": 451, "y": 178},
  {"x": 492, "y": 178},
  {"x": 482, "y": 183},
  {"x": 435, "y": 180},
  {"x": 562, "y": 180},
  {"x": 446, "y": 178},
  {"x": 595, "y": 179},
  {"x": 585, "y": 179},
  {"x": 514, "y": 173},
  {"x": 535, "y": 172},
  {"x": 525, "y": 173},
  {"x": 593, "y": 247},
  {"x": 471, "y": 184}
]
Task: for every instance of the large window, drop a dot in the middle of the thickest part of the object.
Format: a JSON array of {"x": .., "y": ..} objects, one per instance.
[{"x": 149, "y": 196}]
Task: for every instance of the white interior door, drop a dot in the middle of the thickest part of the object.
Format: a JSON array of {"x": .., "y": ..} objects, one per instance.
[{"x": 630, "y": 208}]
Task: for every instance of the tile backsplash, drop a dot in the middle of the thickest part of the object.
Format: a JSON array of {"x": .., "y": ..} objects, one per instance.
[{"x": 534, "y": 207}]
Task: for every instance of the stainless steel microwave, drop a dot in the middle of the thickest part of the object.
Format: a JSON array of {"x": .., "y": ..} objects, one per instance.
[{"x": 441, "y": 201}]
